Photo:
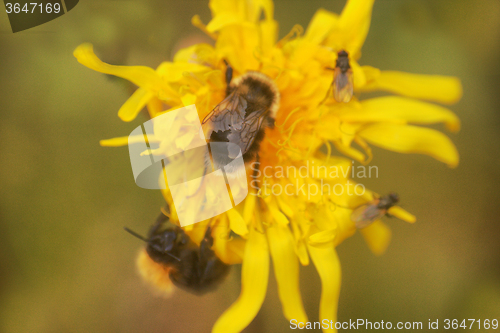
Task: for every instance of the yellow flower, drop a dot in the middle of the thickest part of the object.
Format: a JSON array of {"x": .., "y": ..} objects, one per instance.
[{"x": 305, "y": 225}]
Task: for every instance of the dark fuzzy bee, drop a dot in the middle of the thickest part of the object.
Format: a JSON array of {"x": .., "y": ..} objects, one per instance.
[
  {"x": 342, "y": 85},
  {"x": 368, "y": 213},
  {"x": 250, "y": 106},
  {"x": 192, "y": 268}
]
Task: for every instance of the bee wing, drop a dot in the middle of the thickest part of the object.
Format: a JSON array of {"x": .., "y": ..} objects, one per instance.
[
  {"x": 227, "y": 114},
  {"x": 366, "y": 214},
  {"x": 342, "y": 85},
  {"x": 245, "y": 136},
  {"x": 234, "y": 115}
]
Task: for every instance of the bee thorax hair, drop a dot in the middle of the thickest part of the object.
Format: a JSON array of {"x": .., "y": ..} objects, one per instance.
[{"x": 259, "y": 89}]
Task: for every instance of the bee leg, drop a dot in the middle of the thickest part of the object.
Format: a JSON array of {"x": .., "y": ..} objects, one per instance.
[
  {"x": 206, "y": 245},
  {"x": 167, "y": 206},
  {"x": 210, "y": 268},
  {"x": 229, "y": 76},
  {"x": 257, "y": 162},
  {"x": 214, "y": 271},
  {"x": 207, "y": 257}
]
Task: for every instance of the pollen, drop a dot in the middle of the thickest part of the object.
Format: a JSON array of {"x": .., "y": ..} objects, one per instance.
[{"x": 155, "y": 274}]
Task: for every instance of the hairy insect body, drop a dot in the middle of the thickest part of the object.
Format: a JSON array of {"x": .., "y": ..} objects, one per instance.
[
  {"x": 366, "y": 214},
  {"x": 241, "y": 118},
  {"x": 193, "y": 268}
]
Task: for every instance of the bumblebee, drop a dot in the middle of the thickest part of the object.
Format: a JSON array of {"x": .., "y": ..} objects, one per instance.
[
  {"x": 342, "y": 85},
  {"x": 251, "y": 103},
  {"x": 192, "y": 268},
  {"x": 368, "y": 213}
]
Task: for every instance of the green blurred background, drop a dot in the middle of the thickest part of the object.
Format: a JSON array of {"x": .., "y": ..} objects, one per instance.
[{"x": 66, "y": 265}]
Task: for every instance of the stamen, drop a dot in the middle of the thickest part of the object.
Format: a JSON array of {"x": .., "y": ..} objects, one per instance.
[
  {"x": 295, "y": 32},
  {"x": 290, "y": 150},
  {"x": 288, "y": 117},
  {"x": 164, "y": 211},
  {"x": 196, "y": 21},
  {"x": 329, "y": 150},
  {"x": 362, "y": 143}
]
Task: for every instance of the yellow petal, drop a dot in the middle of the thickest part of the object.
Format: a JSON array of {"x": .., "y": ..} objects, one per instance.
[
  {"x": 220, "y": 6},
  {"x": 300, "y": 246},
  {"x": 391, "y": 108},
  {"x": 366, "y": 148},
  {"x": 140, "y": 75},
  {"x": 188, "y": 99},
  {"x": 249, "y": 209},
  {"x": 371, "y": 73},
  {"x": 227, "y": 12},
  {"x": 328, "y": 266},
  {"x": 148, "y": 152},
  {"x": 126, "y": 140},
  {"x": 323, "y": 237},
  {"x": 351, "y": 152},
  {"x": 438, "y": 88},
  {"x": 120, "y": 141},
  {"x": 229, "y": 251},
  {"x": 134, "y": 104},
  {"x": 236, "y": 222},
  {"x": 286, "y": 270},
  {"x": 267, "y": 6},
  {"x": 402, "y": 214},
  {"x": 196, "y": 21},
  {"x": 269, "y": 34},
  {"x": 235, "y": 251},
  {"x": 254, "y": 278},
  {"x": 302, "y": 253},
  {"x": 285, "y": 208},
  {"x": 236, "y": 44},
  {"x": 354, "y": 24},
  {"x": 378, "y": 236},
  {"x": 222, "y": 20},
  {"x": 330, "y": 168},
  {"x": 358, "y": 75},
  {"x": 322, "y": 22},
  {"x": 412, "y": 140},
  {"x": 155, "y": 106},
  {"x": 198, "y": 53},
  {"x": 277, "y": 215},
  {"x": 175, "y": 71}
]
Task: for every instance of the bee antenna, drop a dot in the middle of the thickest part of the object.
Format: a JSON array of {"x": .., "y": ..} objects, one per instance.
[{"x": 133, "y": 233}]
